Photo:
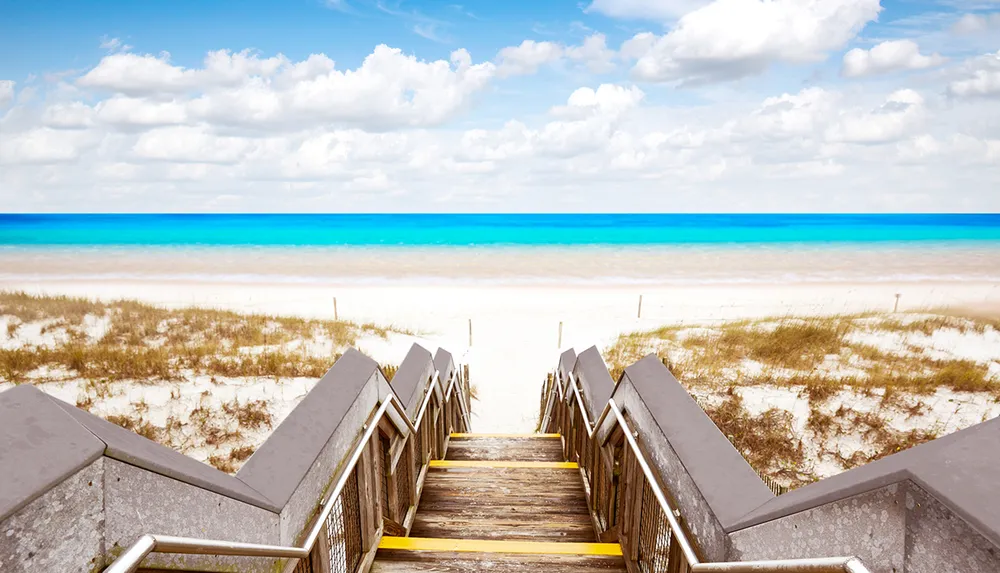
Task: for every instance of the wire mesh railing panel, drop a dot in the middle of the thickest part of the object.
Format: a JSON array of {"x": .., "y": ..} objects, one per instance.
[
  {"x": 381, "y": 471},
  {"x": 303, "y": 566},
  {"x": 403, "y": 487},
  {"x": 343, "y": 527},
  {"x": 654, "y": 534}
]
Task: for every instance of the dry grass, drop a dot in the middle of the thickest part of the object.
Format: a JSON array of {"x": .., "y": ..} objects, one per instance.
[
  {"x": 251, "y": 415},
  {"x": 147, "y": 343},
  {"x": 222, "y": 463},
  {"x": 765, "y": 440},
  {"x": 819, "y": 358},
  {"x": 136, "y": 424},
  {"x": 389, "y": 370},
  {"x": 242, "y": 453},
  {"x": 17, "y": 362}
]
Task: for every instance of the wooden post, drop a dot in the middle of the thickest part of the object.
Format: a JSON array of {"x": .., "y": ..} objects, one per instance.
[
  {"x": 639, "y": 315},
  {"x": 335, "y": 317},
  {"x": 560, "y": 335},
  {"x": 470, "y": 332},
  {"x": 895, "y": 306}
]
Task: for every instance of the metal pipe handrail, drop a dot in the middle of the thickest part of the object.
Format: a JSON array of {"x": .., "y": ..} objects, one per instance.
[
  {"x": 672, "y": 515},
  {"x": 812, "y": 565},
  {"x": 817, "y": 565},
  {"x": 130, "y": 560}
]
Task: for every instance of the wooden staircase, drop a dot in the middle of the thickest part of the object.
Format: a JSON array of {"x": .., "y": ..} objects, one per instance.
[{"x": 501, "y": 503}]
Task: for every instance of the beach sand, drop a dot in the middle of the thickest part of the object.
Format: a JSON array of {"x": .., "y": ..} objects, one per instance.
[{"x": 515, "y": 328}]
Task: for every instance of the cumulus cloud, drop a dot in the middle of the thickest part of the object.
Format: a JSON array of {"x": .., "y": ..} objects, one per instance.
[
  {"x": 529, "y": 56},
  {"x": 982, "y": 78},
  {"x": 790, "y": 115},
  {"x": 607, "y": 100},
  {"x": 44, "y": 146},
  {"x": 886, "y": 57},
  {"x": 902, "y": 113},
  {"x": 388, "y": 89},
  {"x": 976, "y": 23},
  {"x": 730, "y": 39},
  {"x": 297, "y": 135},
  {"x": 6, "y": 92}
]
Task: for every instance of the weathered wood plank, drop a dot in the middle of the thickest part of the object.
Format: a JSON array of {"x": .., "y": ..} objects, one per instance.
[
  {"x": 504, "y": 503},
  {"x": 500, "y": 504},
  {"x": 394, "y": 561},
  {"x": 511, "y": 449}
]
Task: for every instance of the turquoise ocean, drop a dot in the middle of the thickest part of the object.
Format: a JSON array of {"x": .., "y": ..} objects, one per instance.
[{"x": 489, "y": 230}]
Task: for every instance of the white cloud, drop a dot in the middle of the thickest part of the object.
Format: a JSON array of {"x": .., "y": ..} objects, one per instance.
[
  {"x": 388, "y": 89},
  {"x": 44, "y": 145},
  {"x": 72, "y": 115},
  {"x": 886, "y": 57},
  {"x": 186, "y": 144},
  {"x": 273, "y": 134},
  {"x": 607, "y": 100},
  {"x": 114, "y": 45},
  {"x": 790, "y": 115},
  {"x": 6, "y": 92},
  {"x": 127, "y": 111},
  {"x": 527, "y": 57},
  {"x": 729, "y": 39},
  {"x": 902, "y": 113},
  {"x": 982, "y": 78},
  {"x": 976, "y": 23},
  {"x": 659, "y": 10}
]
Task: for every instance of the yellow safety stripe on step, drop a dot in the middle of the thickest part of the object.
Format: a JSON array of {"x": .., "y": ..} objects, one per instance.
[
  {"x": 495, "y": 546},
  {"x": 502, "y": 464},
  {"x": 471, "y": 435}
]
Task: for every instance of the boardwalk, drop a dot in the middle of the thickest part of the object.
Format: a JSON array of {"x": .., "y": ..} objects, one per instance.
[{"x": 501, "y": 503}]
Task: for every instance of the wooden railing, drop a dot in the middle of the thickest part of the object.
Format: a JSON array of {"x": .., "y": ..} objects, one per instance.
[
  {"x": 628, "y": 501},
  {"x": 375, "y": 494}
]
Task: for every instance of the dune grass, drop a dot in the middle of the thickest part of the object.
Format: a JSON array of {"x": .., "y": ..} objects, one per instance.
[
  {"x": 146, "y": 343},
  {"x": 819, "y": 358}
]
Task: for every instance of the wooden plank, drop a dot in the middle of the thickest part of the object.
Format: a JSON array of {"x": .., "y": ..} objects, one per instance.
[
  {"x": 399, "y": 561},
  {"x": 519, "y": 449},
  {"x": 503, "y": 464},
  {"x": 470, "y": 435},
  {"x": 487, "y": 546}
]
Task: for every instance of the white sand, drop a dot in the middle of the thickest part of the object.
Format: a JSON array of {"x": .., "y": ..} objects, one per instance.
[{"x": 515, "y": 328}]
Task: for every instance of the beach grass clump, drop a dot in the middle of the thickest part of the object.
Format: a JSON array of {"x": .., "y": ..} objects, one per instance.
[
  {"x": 136, "y": 424},
  {"x": 132, "y": 340},
  {"x": 252, "y": 414},
  {"x": 32, "y": 308},
  {"x": 16, "y": 363},
  {"x": 766, "y": 440},
  {"x": 889, "y": 366}
]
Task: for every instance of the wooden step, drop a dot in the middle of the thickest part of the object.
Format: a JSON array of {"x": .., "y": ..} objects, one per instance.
[
  {"x": 399, "y": 554},
  {"x": 396, "y": 561},
  {"x": 514, "y": 503},
  {"x": 528, "y": 447}
]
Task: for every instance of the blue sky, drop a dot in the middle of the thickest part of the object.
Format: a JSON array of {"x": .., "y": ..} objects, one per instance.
[{"x": 790, "y": 105}]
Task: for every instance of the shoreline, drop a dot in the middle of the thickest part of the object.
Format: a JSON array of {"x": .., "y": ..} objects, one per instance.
[{"x": 520, "y": 266}]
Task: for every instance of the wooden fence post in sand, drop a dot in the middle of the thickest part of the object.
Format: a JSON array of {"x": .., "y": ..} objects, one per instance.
[
  {"x": 560, "y": 335},
  {"x": 335, "y": 317},
  {"x": 639, "y": 314},
  {"x": 895, "y": 306}
]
